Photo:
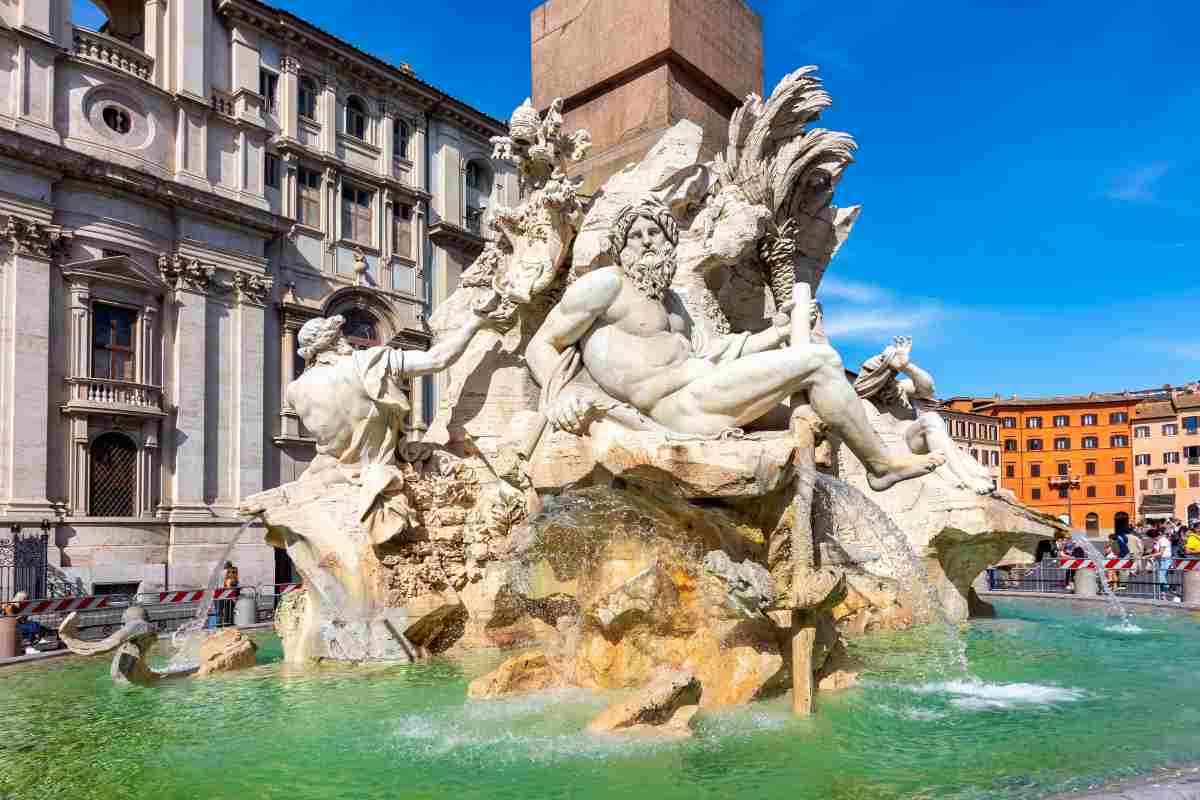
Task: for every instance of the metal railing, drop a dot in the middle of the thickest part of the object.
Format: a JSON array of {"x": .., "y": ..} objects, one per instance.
[
  {"x": 1049, "y": 577},
  {"x": 100, "y": 615}
]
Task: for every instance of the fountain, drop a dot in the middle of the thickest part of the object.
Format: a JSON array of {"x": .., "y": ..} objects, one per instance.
[{"x": 1115, "y": 606}]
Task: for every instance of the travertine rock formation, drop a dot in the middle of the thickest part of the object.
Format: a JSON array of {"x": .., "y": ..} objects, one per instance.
[
  {"x": 663, "y": 707},
  {"x": 226, "y": 651}
]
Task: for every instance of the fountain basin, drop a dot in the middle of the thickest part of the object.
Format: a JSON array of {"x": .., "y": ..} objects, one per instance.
[{"x": 1026, "y": 729}]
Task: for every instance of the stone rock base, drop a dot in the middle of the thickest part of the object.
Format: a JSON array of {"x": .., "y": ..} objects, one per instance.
[
  {"x": 226, "y": 651},
  {"x": 528, "y": 672},
  {"x": 664, "y": 707}
]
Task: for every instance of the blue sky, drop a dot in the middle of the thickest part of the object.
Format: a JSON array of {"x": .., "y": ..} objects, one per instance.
[{"x": 1028, "y": 170}]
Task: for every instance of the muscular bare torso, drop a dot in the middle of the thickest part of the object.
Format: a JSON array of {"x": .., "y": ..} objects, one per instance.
[
  {"x": 639, "y": 350},
  {"x": 331, "y": 402}
]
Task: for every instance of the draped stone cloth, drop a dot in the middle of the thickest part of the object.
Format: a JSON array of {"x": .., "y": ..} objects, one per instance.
[
  {"x": 877, "y": 381},
  {"x": 370, "y": 456}
]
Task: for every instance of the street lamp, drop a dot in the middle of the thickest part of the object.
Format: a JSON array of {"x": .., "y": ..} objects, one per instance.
[{"x": 1068, "y": 483}]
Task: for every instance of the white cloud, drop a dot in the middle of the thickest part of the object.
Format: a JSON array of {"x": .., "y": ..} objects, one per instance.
[
  {"x": 880, "y": 323},
  {"x": 1138, "y": 185},
  {"x": 852, "y": 291}
]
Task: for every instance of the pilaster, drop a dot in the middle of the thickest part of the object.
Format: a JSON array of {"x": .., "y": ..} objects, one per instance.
[
  {"x": 252, "y": 292},
  {"x": 289, "y": 97},
  {"x": 32, "y": 247},
  {"x": 190, "y": 283}
]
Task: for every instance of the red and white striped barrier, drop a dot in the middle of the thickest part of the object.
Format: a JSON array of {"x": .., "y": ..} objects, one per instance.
[
  {"x": 284, "y": 588},
  {"x": 54, "y": 606},
  {"x": 1185, "y": 564},
  {"x": 196, "y": 595}
]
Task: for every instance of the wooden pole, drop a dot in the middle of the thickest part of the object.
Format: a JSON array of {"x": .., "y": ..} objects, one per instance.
[{"x": 804, "y": 627}]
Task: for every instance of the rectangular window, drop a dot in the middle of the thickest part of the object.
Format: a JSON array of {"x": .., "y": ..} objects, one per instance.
[
  {"x": 114, "y": 337},
  {"x": 1008, "y": 422},
  {"x": 268, "y": 87},
  {"x": 1033, "y": 444},
  {"x": 1120, "y": 487},
  {"x": 1170, "y": 429},
  {"x": 1010, "y": 470},
  {"x": 1141, "y": 432},
  {"x": 1118, "y": 418},
  {"x": 308, "y": 197},
  {"x": 1033, "y": 422},
  {"x": 272, "y": 171},
  {"x": 1062, "y": 493},
  {"x": 308, "y": 98},
  {"x": 1035, "y": 494},
  {"x": 1158, "y": 484},
  {"x": 1172, "y": 483},
  {"x": 1062, "y": 421},
  {"x": 356, "y": 215},
  {"x": 1010, "y": 445},
  {"x": 1119, "y": 466},
  {"x": 1145, "y": 484},
  {"x": 1087, "y": 419},
  {"x": 971, "y": 430},
  {"x": 402, "y": 237},
  {"x": 1091, "y": 491},
  {"x": 1035, "y": 470},
  {"x": 1063, "y": 469},
  {"x": 1141, "y": 460},
  {"x": 1089, "y": 468},
  {"x": 1062, "y": 443},
  {"x": 1090, "y": 443},
  {"x": 1118, "y": 441},
  {"x": 1192, "y": 454},
  {"x": 1193, "y": 480},
  {"x": 1171, "y": 457},
  {"x": 1191, "y": 425}
]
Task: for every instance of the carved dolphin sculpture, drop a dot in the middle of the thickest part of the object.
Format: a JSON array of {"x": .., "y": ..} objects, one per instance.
[{"x": 132, "y": 644}]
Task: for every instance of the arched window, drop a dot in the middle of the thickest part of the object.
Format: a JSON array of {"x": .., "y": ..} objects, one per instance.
[
  {"x": 356, "y": 118},
  {"x": 361, "y": 329},
  {"x": 400, "y": 138},
  {"x": 1120, "y": 522},
  {"x": 308, "y": 98},
  {"x": 113, "y": 483},
  {"x": 1093, "y": 523}
]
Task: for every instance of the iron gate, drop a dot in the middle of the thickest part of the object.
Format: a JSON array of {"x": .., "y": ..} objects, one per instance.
[{"x": 23, "y": 562}]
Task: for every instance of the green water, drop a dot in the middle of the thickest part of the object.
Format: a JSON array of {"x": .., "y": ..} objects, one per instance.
[{"x": 1061, "y": 703}]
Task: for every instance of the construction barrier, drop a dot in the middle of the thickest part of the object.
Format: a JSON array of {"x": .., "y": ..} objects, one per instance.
[{"x": 1185, "y": 564}]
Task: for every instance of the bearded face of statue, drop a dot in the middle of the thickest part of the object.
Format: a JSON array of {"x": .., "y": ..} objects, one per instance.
[{"x": 648, "y": 258}]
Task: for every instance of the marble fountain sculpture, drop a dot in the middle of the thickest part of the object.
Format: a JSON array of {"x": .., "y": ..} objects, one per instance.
[{"x": 635, "y": 465}]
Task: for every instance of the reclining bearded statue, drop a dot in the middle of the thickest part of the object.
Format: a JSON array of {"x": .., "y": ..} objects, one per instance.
[{"x": 629, "y": 331}]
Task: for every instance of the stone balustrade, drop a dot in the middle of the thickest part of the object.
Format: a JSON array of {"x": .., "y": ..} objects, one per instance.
[
  {"x": 104, "y": 392},
  {"x": 113, "y": 53},
  {"x": 224, "y": 103}
]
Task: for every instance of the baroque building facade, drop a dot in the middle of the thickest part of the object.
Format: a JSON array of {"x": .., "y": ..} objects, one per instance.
[{"x": 179, "y": 192}]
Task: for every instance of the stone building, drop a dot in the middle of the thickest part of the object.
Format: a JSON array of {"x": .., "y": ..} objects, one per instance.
[
  {"x": 180, "y": 191},
  {"x": 977, "y": 434},
  {"x": 1045, "y": 440},
  {"x": 1166, "y": 456}
]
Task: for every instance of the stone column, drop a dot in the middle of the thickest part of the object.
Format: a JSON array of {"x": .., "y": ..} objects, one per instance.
[
  {"x": 329, "y": 114},
  {"x": 289, "y": 96},
  {"x": 147, "y": 373},
  {"x": 192, "y": 23},
  {"x": 32, "y": 250},
  {"x": 387, "y": 143},
  {"x": 155, "y": 37},
  {"x": 80, "y": 473},
  {"x": 252, "y": 292},
  {"x": 187, "y": 392},
  {"x": 147, "y": 475},
  {"x": 81, "y": 329}
]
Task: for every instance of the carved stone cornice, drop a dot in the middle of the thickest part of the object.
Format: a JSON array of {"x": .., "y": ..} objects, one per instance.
[
  {"x": 251, "y": 288},
  {"x": 27, "y": 237},
  {"x": 290, "y": 64},
  {"x": 447, "y": 234},
  {"x": 187, "y": 273}
]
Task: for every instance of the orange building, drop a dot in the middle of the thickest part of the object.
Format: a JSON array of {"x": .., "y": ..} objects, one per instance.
[{"x": 1069, "y": 452}]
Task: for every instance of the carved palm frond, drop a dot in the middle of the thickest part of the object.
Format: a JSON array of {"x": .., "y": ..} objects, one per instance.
[{"x": 793, "y": 167}]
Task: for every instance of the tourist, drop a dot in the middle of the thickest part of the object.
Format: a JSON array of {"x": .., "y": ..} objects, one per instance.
[
  {"x": 230, "y": 582},
  {"x": 1191, "y": 545},
  {"x": 30, "y": 629},
  {"x": 1111, "y": 576},
  {"x": 1161, "y": 554}
]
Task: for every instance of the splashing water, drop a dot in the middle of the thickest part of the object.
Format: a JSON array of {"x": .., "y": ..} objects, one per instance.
[
  {"x": 1115, "y": 606},
  {"x": 856, "y": 510},
  {"x": 189, "y": 636}
]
